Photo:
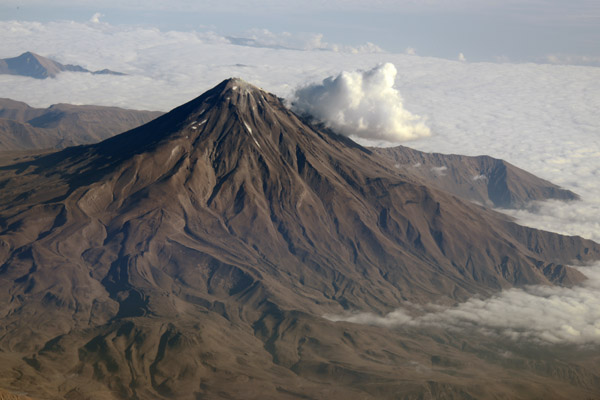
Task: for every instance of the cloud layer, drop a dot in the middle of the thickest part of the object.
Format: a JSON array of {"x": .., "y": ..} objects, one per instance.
[
  {"x": 297, "y": 41},
  {"x": 363, "y": 104},
  {"x": 542, "y": 314},
  {"x": 543, "y": 118}
]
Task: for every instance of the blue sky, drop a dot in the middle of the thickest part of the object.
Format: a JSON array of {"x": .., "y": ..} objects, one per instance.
[{"x": 559, "y": 31}]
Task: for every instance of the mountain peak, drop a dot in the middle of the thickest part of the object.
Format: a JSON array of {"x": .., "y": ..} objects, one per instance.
[
  {"x": 121, "y": 263},
  {"x": 39, "y": 67},
  {"x": 238, "y": 83},
  {"x": 33, "y": 65},
  {"x": 233, "y": 109},
  {"x": 232, "y": 98},
  {"x": 29, "y": 54},
  {"x": 234, "y": 89}
]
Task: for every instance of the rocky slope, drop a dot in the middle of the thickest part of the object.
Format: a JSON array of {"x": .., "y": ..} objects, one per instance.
[
  {"x": 482, "y": 179},
  {"x": 194, "y": 257},
  {"x": 61, "y": 125}
]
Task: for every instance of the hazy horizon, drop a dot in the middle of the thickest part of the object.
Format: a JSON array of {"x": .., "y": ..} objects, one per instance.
[{"x": 542, "y": 31}]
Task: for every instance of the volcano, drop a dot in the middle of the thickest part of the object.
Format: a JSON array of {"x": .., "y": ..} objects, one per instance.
[{"x": 194, "y": 257}]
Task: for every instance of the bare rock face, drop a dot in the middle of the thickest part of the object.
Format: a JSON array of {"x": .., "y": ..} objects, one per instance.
[
  {"x": 11, "y": 396},
  {"x": 194, "y": 256},
  {"x": 482, "y": 179},
  {"x": 62, "y": 125}
]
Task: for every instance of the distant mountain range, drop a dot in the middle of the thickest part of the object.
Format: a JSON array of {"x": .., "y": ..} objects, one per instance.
[
  {"x": 36, "y": 66},
  {"x": 482, "y": 179},
  {"x": 61, "y": 125},
  {"x": 194, "y": 257}
]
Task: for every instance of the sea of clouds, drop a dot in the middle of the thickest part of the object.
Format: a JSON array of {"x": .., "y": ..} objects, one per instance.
[
  {"x": 540, "y": 314},
  {"x": 543, "y": 118}
]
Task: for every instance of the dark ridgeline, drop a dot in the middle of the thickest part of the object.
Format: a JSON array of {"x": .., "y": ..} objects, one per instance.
[{"x": 194, "y": 256}]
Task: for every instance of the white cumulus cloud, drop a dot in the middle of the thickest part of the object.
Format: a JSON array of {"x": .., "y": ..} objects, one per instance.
[
  {"x": 96, "y": 18},
  {"x": 542, "y": 118},
  {"x": 362, "y": 103}
]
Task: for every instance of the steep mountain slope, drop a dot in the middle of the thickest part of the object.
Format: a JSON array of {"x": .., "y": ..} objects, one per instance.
[
  {"x": 122, "y": 263},
  {"x": 36, "y": 66},
  {"x": 16, "y": 135},
  {"x": 61, "y": 125},
  {"x": 483, "y": 179}
]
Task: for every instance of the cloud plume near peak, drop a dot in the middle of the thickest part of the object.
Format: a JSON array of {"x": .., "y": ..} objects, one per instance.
[
  {"x": 363, "y": 104},
  {"x": 542, "y": 314}
]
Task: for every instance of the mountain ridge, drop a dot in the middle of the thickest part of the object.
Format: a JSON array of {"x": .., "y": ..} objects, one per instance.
[
  {"x": 61, "y": 125},
  {"x": 124, "y": 261},
  {"x": 39, "y": 67},
  {"x": 483, "y": 179}
]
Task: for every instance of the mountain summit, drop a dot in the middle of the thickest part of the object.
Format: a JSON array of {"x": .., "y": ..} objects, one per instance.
[
  {"x": 122, "y": 263},
  {"x": 36, "y": 66}
]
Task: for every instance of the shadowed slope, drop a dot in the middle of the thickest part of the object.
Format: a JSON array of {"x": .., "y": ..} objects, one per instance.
[
  {"x": 36, "y": 66},
  {"x": 231, "y": 214}
]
